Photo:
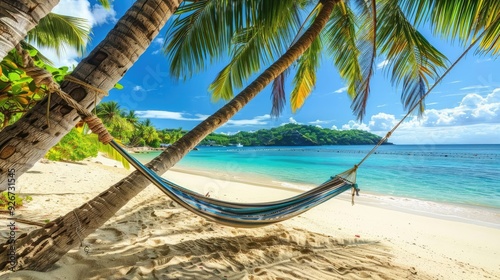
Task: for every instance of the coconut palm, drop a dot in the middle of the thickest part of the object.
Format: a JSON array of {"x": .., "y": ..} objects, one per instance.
[
  {"x": 131, "y": 117},
  {"x": 94, "y": 213},
  {"x": 17, "y": 91},
  {"x": 357, "y": 32},
  {"x": 26, "y": 141},
  {"x": 112, "y": 116},
  {"x": 17, "y": 18},
  {"x": 38, "y": 246},
  {"x": 58, "y": 32}
]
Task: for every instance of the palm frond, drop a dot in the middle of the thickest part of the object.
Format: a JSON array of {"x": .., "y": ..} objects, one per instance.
[
  {"x": 201, "y": 31},
  {"x": 460, "y": 19},
  {"x": 27, "y": 46},
  {"x": 305, "y": 78},
  {"x": 257, "y": 45},
  {"x": 341, "y": 43},
  {"x": 411, "y": 57},
  {"x": 278, "y": 95},
  {"x": 368, "y": 52},
  {"x": 105, "y": 3},
  {"x": 60, "y": 31}
]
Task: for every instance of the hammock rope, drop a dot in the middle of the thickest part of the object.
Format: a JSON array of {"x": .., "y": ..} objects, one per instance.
[{"x": 224, "y": 212}]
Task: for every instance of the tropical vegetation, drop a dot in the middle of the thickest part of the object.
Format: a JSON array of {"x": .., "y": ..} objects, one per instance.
[
  {"x": 18, "y": 91},
  {"x": 255, "y": 33},
  {"x": 412, "y": 62},
  {"x": 293, "y": 135}
]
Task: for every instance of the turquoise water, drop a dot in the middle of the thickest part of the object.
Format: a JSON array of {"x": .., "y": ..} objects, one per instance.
[{"x": 458, "y": 174}]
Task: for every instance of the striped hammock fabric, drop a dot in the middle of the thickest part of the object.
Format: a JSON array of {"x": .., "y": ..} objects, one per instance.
[{"x": 247, "y": 214}]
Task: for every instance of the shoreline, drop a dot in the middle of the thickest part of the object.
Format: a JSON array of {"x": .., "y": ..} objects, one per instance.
[
  {"x": 153, "y": 237},
  {"x": 472, "y": 214}
]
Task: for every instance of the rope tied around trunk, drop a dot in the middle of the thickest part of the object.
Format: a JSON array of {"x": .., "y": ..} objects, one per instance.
[{"x": 43, "y": 77}]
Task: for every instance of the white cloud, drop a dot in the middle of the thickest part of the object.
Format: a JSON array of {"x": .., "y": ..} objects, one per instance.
[
  {"x": 181, "y": 116},
  {"x": 382, "y": 64},
  {"x": 382, "y": 105},
  {"x": 229, "y": 133},
  {"x": 475, "y": 87},
  {"x": 292, "y": 120},
  {"x": 340, "y": 90},
  {"x": 355, "y": 125},
  {"x": 334, "y": 127},
  {"x": 94, "y": 15},
  {"x": 318, "y": 126},
  {"x": 381, "y": 122},
  {"x": 158, "y": 41},
  {"x": 319, "y": 122},
  {"x": 455, "y": 82},
  {"x": 258, "y": 120},
  {"x": 100, "y": 15},
  {"x": 475, "y": 120},
  {"x": 137, "y": 88},
  {"x": 483, "y": 60},
  {"x": 168, "y": 115}
]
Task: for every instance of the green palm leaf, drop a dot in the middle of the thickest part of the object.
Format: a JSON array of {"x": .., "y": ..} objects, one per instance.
[
  {"x": 278, "y": 95},
  {"x": 368, "y": 52},
  {"x": 341, "y": 43},
  {"x": 460, "y": 19},
  {"x": 256, "y": 34},
  {"x": 305, "y": 78},
  {"x": 412, "y": 58},
  {"x": 202, "y": 31},
  {"x": 59, "y": 31}
]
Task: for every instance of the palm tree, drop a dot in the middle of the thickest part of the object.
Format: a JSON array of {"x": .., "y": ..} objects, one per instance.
[
  {"x": 17, "y": 18},
  {"x": 57, "y": 31},
  {"x": 26, "y": 141},
  {"x": 18, "y": 93},
  {"x": 111, "y": 114},
  {"x": 62, "y": 233},
  {"x": 132, "y": 118},
  {"x": 357, "y": 32},
  {"x": 37, "y": 254}
]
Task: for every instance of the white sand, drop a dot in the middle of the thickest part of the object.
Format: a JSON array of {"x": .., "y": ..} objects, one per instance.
[{"x": 153, "y": 238}]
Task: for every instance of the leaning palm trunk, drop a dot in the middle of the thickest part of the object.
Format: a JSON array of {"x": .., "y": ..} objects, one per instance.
[
  {"x": 17, "y": 17},
  {"x": 41, "y": 248},
  {"x": 26, "y": 141}
]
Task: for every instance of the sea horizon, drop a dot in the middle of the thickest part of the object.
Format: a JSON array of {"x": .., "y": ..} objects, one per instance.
[{"x": 410, "y": 177}]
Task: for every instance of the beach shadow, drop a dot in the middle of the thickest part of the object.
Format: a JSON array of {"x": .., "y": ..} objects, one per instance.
[{"x": 160, "y": 240}]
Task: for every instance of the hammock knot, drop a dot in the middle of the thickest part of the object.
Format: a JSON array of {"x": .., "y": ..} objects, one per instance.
[
  {"x": 95, "y": 124},
  {"x": 39, "y": 75},
  {"x": 355, "y": 192}
]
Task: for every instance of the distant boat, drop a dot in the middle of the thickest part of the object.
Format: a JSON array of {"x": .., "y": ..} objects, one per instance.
[{"x": 239, "y": 145}]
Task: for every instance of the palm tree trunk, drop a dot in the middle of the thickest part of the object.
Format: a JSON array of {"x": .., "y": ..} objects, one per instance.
[
  {"x": 17, "y": 17},
  {"x": 40, "y": 249},
  {"x": 26, "y": 141}
]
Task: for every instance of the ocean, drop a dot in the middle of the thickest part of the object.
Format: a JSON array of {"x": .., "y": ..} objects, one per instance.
[{"x": 405, "y": 176}]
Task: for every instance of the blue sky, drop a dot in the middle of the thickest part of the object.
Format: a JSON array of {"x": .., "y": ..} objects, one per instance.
[{"x": 464, "y": 108}]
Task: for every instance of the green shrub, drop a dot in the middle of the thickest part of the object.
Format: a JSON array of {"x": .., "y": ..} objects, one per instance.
[
  {"x": 73, "y": 146},
  {"x": 5, "y": 199}
]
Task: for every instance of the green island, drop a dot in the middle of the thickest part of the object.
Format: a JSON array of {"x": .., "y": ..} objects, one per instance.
[{"x": 294, "y": 135}]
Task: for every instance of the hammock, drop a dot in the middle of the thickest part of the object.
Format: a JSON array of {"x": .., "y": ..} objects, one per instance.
[
  {"x": 261, "y": 214},
  {"x": 243, "y": 214},
  {"x": 246, "y": 214}
]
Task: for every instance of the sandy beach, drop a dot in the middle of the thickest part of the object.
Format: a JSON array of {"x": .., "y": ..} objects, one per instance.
[{"x": 153, "y": 238}]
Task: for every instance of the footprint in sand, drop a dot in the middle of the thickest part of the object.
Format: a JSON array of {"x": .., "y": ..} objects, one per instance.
[{"x": 108, "y": 236}]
